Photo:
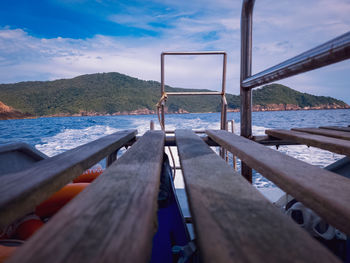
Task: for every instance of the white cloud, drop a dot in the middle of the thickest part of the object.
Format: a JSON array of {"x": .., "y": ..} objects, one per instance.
[{"x": 281, "y": 30}]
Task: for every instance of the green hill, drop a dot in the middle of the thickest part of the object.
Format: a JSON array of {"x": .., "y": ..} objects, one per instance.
[
  {"x": 114, "y": 92},
  {"x": 279, "y": 94}
]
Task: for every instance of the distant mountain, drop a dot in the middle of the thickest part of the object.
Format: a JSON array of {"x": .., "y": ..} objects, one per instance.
[
  {"x": 115, "y": 93},
  {"x": 280, "y": 97}
]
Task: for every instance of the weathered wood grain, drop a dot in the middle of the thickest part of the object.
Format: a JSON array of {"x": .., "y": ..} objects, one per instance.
[
  {"x": 336, "y": 128},
  {"x": 21, "y": 192},
  {"x": 233, "y": 221},
  {"x": 113, "y": 220},
  {"x": 323, "y": 142},
  {"x": 329, "y": 133},
  {"x": 325, "y": 192}
]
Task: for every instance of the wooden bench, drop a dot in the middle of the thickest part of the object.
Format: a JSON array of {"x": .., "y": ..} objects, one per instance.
[
  {"x": 232, "y": 220},
  {"x": 324, "y": 192},
  {"x": 112, "y": 220},
  {"x": 21, "y": 192},
  {"x": 346, "y": 129},
  {"x": 344, "y": 135},
  {"x": 323, "y": 142}
]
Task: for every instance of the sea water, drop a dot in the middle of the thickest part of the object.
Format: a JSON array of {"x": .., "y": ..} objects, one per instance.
[{"x": 58, "y": 134}]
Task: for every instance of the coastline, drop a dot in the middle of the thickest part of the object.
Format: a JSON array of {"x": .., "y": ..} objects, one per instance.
[{"x": 256, "y": 108}]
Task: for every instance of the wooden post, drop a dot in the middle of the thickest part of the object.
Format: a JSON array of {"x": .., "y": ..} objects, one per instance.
[
  {"x": 111, "y": 158},
  {"x": 151, "y": 125}
]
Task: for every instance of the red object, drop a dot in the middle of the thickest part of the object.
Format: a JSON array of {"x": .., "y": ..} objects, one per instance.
[
  {"x": 6, "y": 252},
  {"x": 50, "y": 206},
  {"x": 88, "y": 176},
  {"x": 26, "y": 229}
]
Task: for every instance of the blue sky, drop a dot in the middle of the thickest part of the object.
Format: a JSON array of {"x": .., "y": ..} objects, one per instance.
[{"x": 52, "y": 39}]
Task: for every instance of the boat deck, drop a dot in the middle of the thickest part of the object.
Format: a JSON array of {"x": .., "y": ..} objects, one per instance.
[{"x": 115, "y": 218}]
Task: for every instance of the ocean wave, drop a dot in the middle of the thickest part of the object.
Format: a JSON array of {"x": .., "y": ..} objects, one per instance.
[{"x": 72, "y": 138}]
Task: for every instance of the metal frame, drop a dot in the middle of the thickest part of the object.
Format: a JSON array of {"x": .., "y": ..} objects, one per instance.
[
  {"x": 222, "y": 93},
  {"x": 333, "y": 51}
]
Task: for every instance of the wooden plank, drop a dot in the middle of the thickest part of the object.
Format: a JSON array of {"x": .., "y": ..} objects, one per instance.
[
  {"x": 113, "y": 220},
  {"x": 232, "y": 220},
  {"x": 336, "y": 128},
  {"x": 271, "y": 141},
  {"x": 325, "y": 192},
  {"x": 329, "y": 133},
  {"x": 326, "y": 143},
  {"x": 21, "y": 192}
]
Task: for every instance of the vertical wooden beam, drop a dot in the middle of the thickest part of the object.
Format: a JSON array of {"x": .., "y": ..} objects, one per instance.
[{"x": 111, "y": 158}]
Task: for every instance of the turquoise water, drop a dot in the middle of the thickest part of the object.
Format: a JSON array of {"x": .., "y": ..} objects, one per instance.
[{"x": 55, "y": 135}]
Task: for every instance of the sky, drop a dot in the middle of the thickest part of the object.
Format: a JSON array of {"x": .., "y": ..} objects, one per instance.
[{"x": 54, "y": 39}]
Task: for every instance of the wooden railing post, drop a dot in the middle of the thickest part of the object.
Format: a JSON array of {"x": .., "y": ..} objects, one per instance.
[{"x": 111, "y": 158}]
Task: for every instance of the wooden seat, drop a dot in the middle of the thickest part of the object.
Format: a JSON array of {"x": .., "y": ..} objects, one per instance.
[
  {"x": 113, "y": 220},
  {"x": 335, "y": 145},
  {"x": 337, "y": 128},
  {"x": 232, "y": 220},
  {"x": 325, "y": 192},
  {"x": 344, "y": 135},
  {"x": 22, "y": 191}
]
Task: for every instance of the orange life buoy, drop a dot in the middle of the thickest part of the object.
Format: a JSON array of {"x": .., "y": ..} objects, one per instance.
[
  {"x": 26, "y": 229},
  {"x": 6, "y": 252},
  {"x": 50, "y": 206},
  {"x": 21, "y": 229},
  {"x": 88, "y": 176}
]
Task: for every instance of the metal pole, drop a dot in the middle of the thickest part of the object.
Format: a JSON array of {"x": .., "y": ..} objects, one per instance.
[
  {"x": 162, "y": 90},
  {"x": 333, "y": 51},
  {"x": 224, "y": 63},
  {"x": 246, "y": 71},
  {"x": 223, "y": 91},
  {"x": 234, "y": 158}
]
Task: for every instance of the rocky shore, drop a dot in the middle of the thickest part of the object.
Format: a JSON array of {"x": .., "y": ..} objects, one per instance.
[
  {"x": 7, "y": 112},
  {"x": 288, "y": 107}
]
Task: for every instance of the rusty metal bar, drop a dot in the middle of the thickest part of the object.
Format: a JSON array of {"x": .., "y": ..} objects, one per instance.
[
  {"x": 194, "y": 93},
  {"x": 162, "y": 121},
  {"x": 223, "y": 101},
  {"x": 234, "y": 158},
  {"x": 224, "y": 113},
  {"x": 222, "y": 93},
  {"x": 194, "y": 53},
  {"x": 224, "y": 65},
  {"x": 333, "y": 51}
]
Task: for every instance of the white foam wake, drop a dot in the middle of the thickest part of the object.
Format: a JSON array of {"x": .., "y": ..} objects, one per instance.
[{"x": 72, "y": 138}]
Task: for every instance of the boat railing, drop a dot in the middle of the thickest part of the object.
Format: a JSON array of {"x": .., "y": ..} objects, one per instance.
[
  {"x": 164, "y": 94},
  {"x": 333, "y": 51}
]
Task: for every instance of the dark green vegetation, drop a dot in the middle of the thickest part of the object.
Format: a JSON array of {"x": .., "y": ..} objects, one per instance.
[
  {"x": 279, "y": 94},
  {"x": 114, "y": 92}
]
